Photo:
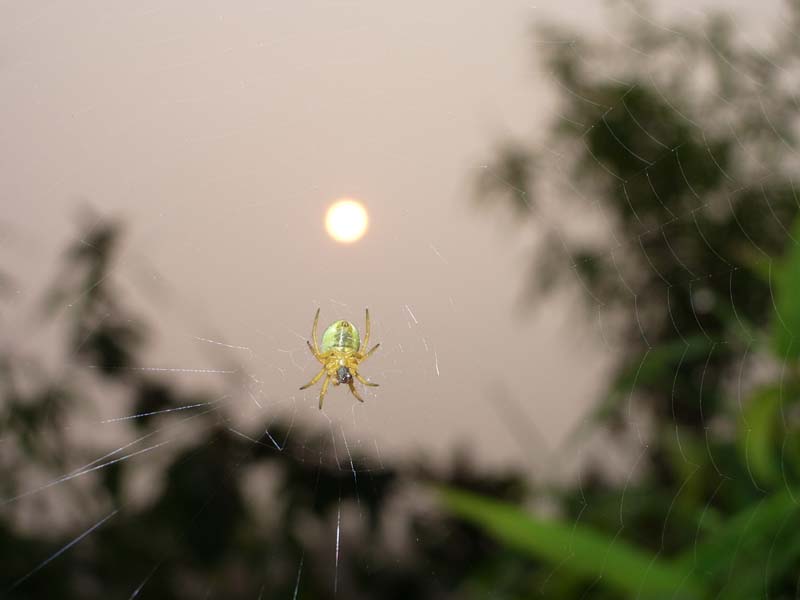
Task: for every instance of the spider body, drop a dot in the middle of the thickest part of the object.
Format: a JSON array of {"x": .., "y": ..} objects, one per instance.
[
  {"x": 340, "y": 354},
  {"x": 342, "y": 336}
]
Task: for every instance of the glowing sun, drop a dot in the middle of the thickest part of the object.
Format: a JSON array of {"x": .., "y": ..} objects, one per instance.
[{"x": 346, "y": 221}]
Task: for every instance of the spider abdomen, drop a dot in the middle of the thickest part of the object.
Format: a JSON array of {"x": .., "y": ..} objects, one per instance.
[{"x": 340, "y": 335}]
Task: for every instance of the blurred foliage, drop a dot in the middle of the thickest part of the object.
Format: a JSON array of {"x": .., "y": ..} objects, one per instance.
[
  {"x": 588, "y": 552},
  {"x": 679, "y": 144},
  {"x": 663, "y": 192},
  {"x": 73, "y": 525}
]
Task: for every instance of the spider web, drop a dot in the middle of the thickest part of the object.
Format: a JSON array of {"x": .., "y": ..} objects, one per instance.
[
  {"x": 446, "y": 362},
  {"x": 561, "y": 228}
]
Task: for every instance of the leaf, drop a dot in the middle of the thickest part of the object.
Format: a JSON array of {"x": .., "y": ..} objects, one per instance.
[
  {"x": 659, "y": 363},
  {"x": 576, "y": 548},
  {"x": 786, "y": 290},
  {"x": 751, "y": 549},
  {"x": 758, "y": 434},
  {"x": 654, "y": 368}
]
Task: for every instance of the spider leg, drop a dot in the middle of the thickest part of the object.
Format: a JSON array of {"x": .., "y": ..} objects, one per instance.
[
  {"x": 365, "y": 341},
  {"x": 375, "y": 347},
  {"x": 314, "y": 333},
  {"x": 315, "y": 380},
  {"x": 364, "y": 381},
  {"x": 353, "y": 391},
  {"x": 317, "y": 356},
  {"x": 324, "y": 390}
]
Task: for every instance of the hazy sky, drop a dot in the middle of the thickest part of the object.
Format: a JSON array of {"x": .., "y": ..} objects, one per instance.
[{"x": 221, "y": 132}]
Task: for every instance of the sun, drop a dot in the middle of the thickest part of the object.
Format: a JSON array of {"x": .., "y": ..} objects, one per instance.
[{"x": 346, "y": 220}]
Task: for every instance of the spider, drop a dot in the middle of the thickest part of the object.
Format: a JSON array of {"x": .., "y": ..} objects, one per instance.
[{"x": 340, "y": 354}]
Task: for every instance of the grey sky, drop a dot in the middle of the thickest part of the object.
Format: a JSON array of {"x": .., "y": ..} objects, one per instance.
[{"x": 220, "y": 133}]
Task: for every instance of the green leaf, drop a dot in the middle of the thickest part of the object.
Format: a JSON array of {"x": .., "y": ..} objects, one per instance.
[
  {"x": 576, "y": 548},
  {"x": 658, "y": 364},
  {"x": 758, "y": 435},
  {"x": 652, "y": 369},
  {"x": 786, "y": 290},
  {"x": 755, "y": 547}
]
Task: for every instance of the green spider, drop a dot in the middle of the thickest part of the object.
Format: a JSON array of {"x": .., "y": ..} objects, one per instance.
[{"x": 340, "y": 354}]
